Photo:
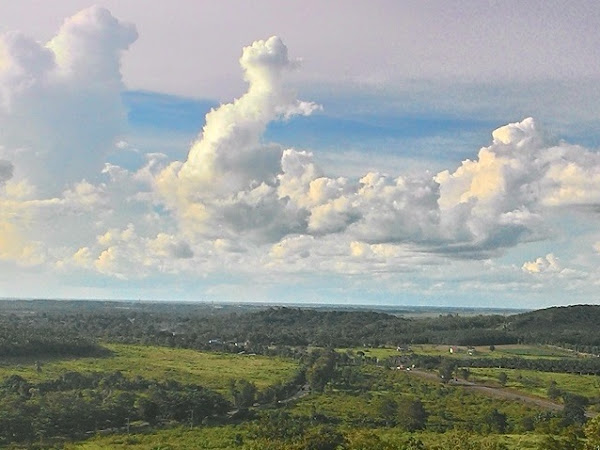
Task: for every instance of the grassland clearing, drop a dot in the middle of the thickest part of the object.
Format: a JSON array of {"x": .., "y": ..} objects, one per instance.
[
  {"x": 537, "y": 383},
  {"x": 212, "y": 370},
  {"x": 499, "y": 351}
]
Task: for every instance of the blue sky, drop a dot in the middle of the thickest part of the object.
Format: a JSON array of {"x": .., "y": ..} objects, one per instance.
[{"x": 385, "y": 152}]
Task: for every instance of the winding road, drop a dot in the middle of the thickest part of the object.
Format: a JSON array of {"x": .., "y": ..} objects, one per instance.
[{"x": 496, "y": 392}]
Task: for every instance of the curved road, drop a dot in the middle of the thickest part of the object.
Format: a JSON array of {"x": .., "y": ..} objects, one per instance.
[{"x": 496, "y": 392}]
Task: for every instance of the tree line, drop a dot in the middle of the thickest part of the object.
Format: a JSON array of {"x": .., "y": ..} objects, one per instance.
[{"x": 76, "y": 403}]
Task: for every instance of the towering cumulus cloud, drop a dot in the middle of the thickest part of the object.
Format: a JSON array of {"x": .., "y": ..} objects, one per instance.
[
  {"x": 60, "y": 106},
  {"x": 235, "y": 187},
  {"x": 230, "y": 176},
  {"x": 60, "y": 113}
]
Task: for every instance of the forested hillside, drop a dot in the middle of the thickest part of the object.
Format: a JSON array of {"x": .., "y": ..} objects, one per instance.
[
  {"x": 29, "y": 328},
  {"x": 575, "y": 325}
]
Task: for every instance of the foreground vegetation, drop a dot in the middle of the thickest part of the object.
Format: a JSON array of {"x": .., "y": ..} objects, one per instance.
[{"x": 142, "y": 376}]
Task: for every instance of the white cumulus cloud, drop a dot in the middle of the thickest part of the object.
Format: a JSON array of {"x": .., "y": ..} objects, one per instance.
[
  {"x": 230, "y": 175},
  {"x": 60, "y": 105},
  {"x": 548, "y": 263},
  {"x": 234, "y": 186}
]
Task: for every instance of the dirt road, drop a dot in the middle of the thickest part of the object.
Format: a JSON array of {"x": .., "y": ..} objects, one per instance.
[{"x": 496, "y": 391}]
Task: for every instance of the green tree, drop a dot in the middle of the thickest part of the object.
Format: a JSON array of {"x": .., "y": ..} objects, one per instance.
[
  {"x": 412, "y": 415},
  {"x": 323, "y": 438},
  {"x": 321, "y": 371},
  {"x": 574, "y": 409},
  {"x": 553, "y": 391},
  {"x": 568, "y": 442},
  {"x": 465, "y": 373},
  {"x": 413, "y": 444},
  {"x": 243, "y": 393},
  {"x": 147, "y": 410},
  {"x": 280, "y": 425},
  {"x": 496, "y": 421},
  {"x": 446, "y": 370},
  {"x": 367, "y": 440},
  {"x": 528, "y": 423},
  {"x": 592, "y": 434},
  {"x": 502, "y": 378},
  {"x": 388, "y": 410}
]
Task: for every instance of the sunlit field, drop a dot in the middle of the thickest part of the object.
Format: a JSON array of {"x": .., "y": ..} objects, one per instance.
[
  {"x": 499, "y": 351},
  {"x": 212, "y": 370}
]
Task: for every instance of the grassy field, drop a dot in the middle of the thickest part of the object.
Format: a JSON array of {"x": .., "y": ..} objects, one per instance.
[
  {"x": 213, "y": 370},
  {"x": 500, "y": 351},
  {"x": 537, "y": 383},
  {"x": 528, "y": 351}
]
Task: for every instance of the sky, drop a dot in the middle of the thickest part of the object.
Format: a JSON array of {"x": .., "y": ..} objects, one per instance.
[{"x": 383, "y": 152}]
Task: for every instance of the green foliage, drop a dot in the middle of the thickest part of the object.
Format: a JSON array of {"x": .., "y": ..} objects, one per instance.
[
  {"x": 78, "y": 403},
  {"x": 412, "y": 415},
  {"x": 569, "y": 442},
  {"x": 574, "y": 409},
  {"x": 461, "y": 440},
  {"x": 323, "y": 438},
  {"x": 321, "y": 371},
  {"x": 592, "y": 434},
  {"x": 502, "y": 378},
  {"x": 446, "y": 370},
  {"x": 207, "y": 437},
  {"x": 367, "y": 440},
  {"x": 387, "y": 407},
  {"x": 280, "y": 426},
  {"x": 496, "y": 421},
  {"x": 353, "y": 402},
  {"x": 243, "y": 393},
  {"x": 575, "y": 325},
  {"x": 49, "y": 327}
]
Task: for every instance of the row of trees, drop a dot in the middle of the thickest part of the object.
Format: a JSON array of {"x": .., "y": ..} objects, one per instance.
[{"x": 78, "y": 403}]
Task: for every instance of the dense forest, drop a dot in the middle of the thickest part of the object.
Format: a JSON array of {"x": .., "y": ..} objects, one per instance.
[
  {"x": 55, "y": 327},
  {"x": 78, "y": 403}
]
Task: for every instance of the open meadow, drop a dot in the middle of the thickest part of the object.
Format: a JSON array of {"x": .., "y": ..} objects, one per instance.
[
  {"x": 461, "y": 351},
  {"x": 210, "y": 369}
]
